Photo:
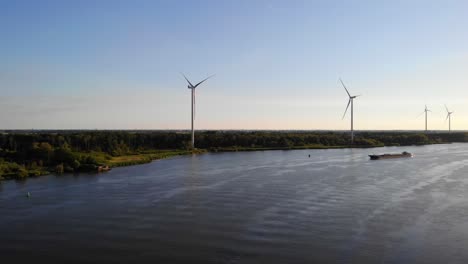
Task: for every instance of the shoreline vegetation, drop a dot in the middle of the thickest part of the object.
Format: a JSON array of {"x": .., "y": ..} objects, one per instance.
[{"x": 26, "y": 154}]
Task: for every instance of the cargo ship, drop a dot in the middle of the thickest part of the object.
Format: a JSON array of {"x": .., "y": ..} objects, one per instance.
[{"x": 391, "y": 156}]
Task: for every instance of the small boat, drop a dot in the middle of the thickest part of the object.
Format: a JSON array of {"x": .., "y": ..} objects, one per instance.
[{"x": 404, "y": 154}]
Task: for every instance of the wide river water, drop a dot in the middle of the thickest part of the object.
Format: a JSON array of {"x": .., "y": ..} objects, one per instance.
[{"x": 247, "y": 207}]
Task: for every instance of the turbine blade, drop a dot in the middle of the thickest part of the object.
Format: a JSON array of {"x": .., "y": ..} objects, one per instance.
[
  {"x": 448, "y": 115},
  {"x": 187, "y": 80},
  {"x": 349, "y": 102},
  {"x": 446, "y": 108},
  {"x": 344, "y": 86},
  {"x": 421, "y": 114},
  {"x": 194, "y": 108},
  {"x": 203, "y": 81}
]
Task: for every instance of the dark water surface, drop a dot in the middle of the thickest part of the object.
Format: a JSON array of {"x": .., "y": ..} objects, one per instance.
[{"x": 248, "y": 207}]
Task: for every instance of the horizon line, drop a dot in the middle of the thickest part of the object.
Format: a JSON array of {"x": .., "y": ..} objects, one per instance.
[{"x": 243, "y": 129}]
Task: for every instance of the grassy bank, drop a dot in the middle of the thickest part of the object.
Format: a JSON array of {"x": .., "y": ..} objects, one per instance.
[{"x": 142, "y": 158}]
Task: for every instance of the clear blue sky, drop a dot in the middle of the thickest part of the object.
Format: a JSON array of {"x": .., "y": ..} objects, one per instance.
[{"x": 116, "y": 64}]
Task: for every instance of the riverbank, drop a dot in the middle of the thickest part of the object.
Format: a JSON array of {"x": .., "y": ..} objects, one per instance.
[{"x": 29, "y": 154}]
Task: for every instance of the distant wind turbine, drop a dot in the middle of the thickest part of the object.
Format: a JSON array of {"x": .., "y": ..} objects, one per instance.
[
  {"x": 449, "y": 117},
  {"x": 192, "y": 87},
  {"x": 425, "y": 112},
  {"x": 351, "y": 98}
]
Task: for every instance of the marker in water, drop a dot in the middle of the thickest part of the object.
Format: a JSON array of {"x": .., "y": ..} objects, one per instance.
[{"x": 28, "y": 195}]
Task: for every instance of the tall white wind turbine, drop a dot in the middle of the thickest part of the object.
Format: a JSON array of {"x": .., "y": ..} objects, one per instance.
[
  {"x": 449, "y": 117},
  {"x": 193, "y": 87},
  {"x": 350, "y": 101}
]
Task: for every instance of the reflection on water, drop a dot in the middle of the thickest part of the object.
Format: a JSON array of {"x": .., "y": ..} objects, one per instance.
[{"x": 249, "y": 207}]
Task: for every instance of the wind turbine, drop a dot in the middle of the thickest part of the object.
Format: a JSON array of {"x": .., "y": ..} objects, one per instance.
[
  {"x": 425, "y": 112},
  {"x": 192, "y": 87},
  {"x": 449, "y": 117},
  {"x": 351, "y": 98}
]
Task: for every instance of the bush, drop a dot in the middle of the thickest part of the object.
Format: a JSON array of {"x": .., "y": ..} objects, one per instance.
[{"x": 12, "y": 170}]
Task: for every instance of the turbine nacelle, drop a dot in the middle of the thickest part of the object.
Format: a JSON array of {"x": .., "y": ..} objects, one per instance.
[
  {"x": 191, "y": 86},
  {"x": 448, "y": 112},
  {"x": 448, "y": 116}
]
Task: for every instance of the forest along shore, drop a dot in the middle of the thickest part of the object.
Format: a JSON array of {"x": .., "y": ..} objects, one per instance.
[{"x": 34, "y": 153}]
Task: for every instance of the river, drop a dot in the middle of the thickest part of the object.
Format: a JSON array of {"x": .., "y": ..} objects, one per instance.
[{"x": 336, "y": 206}]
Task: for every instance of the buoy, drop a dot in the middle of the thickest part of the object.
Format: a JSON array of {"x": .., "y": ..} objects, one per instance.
[
  {"x": 28, "y": 195},
  {"x": 309, "y": 155}
]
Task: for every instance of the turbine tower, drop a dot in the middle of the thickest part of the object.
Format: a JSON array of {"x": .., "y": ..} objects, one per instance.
[
  {"x": 425, "y": 112},
  {"x": 351, "y": 98},
  {"x": 449, "y": 117},
  {"x": 193, "y": 87}
]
